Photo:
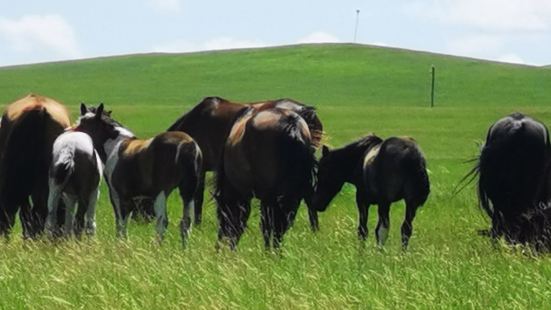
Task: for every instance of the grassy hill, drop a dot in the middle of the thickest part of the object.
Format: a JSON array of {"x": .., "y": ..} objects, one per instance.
[{"x": 357, "y": 89}]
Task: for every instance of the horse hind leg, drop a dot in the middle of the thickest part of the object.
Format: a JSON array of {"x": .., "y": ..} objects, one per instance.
[
  {"x": 384, "y": 223},
  {"x": 407, "y": 225},
  {"x": 54, "y": 199},
  {"x": 189, "y": 205},
  {"x": 284, "y": 216},
  {"x": 70, "y": 205},
  {"x": 160, "y": 213},
  {"x": 267, "y": 222},
  {"x": 7, "y": 220},
  {"x": 198, "y": 199},
  {"x": 363, "y": 209},
  {"x": 90, "y": 215},
  {"x": 26, "y": 218}
]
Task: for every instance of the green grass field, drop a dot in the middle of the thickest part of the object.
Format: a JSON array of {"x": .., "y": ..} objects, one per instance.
[{"x": 357, "y": 90}]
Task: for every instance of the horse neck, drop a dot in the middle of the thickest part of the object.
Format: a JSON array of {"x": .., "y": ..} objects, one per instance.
[
  {"x": 347, "y": 160},
  {"x": 111, "y": 147}
]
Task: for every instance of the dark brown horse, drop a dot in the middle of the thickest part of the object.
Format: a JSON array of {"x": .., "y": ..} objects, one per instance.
[
  {"x": 513, "y": 175},
  {"x": 383, "y": 171},
  {"x": 268, "y": 155},
  {"x": 28, "y": 130},
  {"x": 210, "y": 121},
  {"x": 138, "y": 169}
]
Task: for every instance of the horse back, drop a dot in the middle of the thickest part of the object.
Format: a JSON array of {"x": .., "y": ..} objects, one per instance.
[
  {"x": 397, "y": 171},
  {"x": 270, "y": 153},
  {"x": 159, "y": 163},
  {"x": 209, "y": 123}
]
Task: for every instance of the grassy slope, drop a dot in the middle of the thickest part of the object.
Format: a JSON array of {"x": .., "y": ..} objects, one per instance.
[{"x": 357, "y": 90}]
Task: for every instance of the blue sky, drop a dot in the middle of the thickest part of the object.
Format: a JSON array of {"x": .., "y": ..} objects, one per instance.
[{"x": 37, "y": 31}]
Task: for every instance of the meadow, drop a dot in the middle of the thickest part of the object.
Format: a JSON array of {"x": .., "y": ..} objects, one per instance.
[{"x": 356, "y": 89}]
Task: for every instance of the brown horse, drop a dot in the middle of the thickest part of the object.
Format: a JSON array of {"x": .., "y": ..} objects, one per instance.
[
  {"x": 28, "y": 130},
  {"x": 383, "y": 171},
  {"x": 136, "y": 169},
  {"x": 268, "y": 155},
  {"x": 210, "y": 121}
]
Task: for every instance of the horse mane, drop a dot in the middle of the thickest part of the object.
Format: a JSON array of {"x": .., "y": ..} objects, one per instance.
[{"x": 363, "y": 143}]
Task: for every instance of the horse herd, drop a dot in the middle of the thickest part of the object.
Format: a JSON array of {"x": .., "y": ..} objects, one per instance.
[{"x": 50, "y": 171}]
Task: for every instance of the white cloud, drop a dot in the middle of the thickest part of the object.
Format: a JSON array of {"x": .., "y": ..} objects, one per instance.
[
  {"x": 167, "y": 5},
  {"x": 511, "y": 58},
  {"x": 220, "y": 43},
  {"x": 40, "y": 33},
  {"x": 479, "y": 45},
  {"x": 319, "y": 37},
  {"x": 489, "y": 15}
]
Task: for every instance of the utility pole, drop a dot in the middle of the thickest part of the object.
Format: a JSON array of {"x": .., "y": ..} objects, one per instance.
[{"x": 357, "y": 21}]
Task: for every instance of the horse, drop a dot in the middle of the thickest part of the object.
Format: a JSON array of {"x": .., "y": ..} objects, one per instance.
[
  {"x": 28, "y": 130},
  {"x": 512, "y": 173},
  {"x": 75, "y": 176},
  {"x": 268, "y": 155},
  {"x": 383, "y": 172},
  {"x": 210, "y": 122},
  {"x": 136, "y": 169}
]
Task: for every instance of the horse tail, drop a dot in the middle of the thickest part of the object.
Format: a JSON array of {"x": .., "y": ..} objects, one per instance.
[
  {"x": 192, "y": 163},
  {"x": 27, "y": 156},
  {"x": 416, "y": 167},
  {"x": 64, "y": 166},
  {"x": 308, "y": 113},
  {"x": 298, "y": 155}
]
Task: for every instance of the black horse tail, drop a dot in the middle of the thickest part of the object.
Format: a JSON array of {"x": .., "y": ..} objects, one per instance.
[
  {"x": 415, "y": 165},
  {"x": 26, "y": 156},
  {"x": 298, "y": 156},
  {"x": 308, "y": 113}
]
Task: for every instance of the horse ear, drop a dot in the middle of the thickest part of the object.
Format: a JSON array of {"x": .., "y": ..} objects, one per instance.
[
  {"x": 83, "y": 108},
  {"x": 109, "y": 112},
  {"x": 99, "y": 111},
  {"x": 324, "y": 150}
]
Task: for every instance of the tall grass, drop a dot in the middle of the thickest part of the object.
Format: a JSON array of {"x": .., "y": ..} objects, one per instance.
[{"x": 357, "y": 90}]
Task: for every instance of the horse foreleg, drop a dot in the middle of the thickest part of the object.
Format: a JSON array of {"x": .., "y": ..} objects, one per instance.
[
  {"x": 121, "y": 215},
  {"x": 160, "y": 212},
  {"x": 407, "y": 226},
  {"x": 363, "y": 210},
  {"x": 384, "y": 223}
]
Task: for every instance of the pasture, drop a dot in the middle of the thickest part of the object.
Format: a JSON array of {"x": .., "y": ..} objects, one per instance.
[{"x": 357, "y": 90}]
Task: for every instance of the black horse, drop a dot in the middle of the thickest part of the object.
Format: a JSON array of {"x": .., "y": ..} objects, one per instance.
[
  {"x": 512, "y": 169},
  {"x": 268, "y": 155},
  {"x": 29, "y": 128},
  {"x": 383, "y": 171}
]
